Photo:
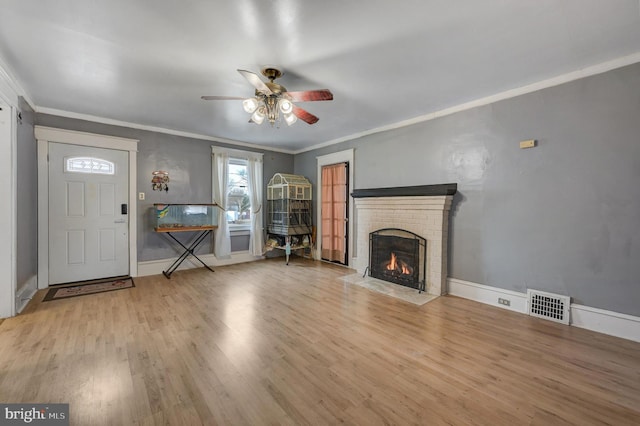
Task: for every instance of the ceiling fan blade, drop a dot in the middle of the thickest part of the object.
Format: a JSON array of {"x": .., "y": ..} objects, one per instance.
[
  {"x": 221, "y": 98},
  {"x": 256, "y": 82},
  {"x": 304, "y": 115},
  {"x": 310, "y": 95}
]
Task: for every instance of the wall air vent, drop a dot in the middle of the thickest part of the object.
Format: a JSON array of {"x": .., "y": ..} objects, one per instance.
[{"x": 553, "y": 307}]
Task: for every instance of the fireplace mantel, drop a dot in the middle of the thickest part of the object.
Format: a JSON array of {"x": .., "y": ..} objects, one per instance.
[
  {"x": 407, "y": 191},
  {"x": 423, "y": 210}
]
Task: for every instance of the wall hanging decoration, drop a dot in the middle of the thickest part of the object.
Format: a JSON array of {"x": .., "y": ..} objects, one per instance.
[{"x": 160, "y": 180}]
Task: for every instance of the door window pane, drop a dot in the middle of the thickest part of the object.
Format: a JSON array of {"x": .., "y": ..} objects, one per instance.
[{"x": 89, "y": 165}]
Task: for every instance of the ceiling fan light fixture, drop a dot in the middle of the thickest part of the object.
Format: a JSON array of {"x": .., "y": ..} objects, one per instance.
[
  {"x": 273, "y": 102},
  {"x": 250, "y": 105},
  {"x": 290, "y": 118},
  {"x": 285, "y": 106},
  {"x": 258, "y": 115}
]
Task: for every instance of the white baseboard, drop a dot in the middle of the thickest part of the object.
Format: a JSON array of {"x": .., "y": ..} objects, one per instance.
[
  {"x": 25, "y": 293},
  {"x": 487, "y": 294},
  {"x": 607, "y": 322},
  {"x": 155, "y": 267},
  {"x": 594, "y": 319}
]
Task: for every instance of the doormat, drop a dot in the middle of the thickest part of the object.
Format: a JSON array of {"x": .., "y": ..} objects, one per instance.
[{"x": 88, "y": 288}]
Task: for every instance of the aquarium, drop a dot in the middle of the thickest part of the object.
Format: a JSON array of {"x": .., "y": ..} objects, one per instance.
[{"x": 185, "y": 217}]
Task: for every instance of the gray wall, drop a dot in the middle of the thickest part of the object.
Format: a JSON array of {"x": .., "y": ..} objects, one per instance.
[
  {"x": 188, "y": 162},
  {"x": 562, "y": 217},
  {"x": 27, "y": 203}
]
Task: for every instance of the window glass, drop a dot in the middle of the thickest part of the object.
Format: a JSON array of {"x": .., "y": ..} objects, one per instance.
[
  {"x": 89, "y": 165},
  {"x": 238, "y": 201}
]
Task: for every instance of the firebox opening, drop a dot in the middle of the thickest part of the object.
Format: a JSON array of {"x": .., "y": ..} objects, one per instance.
[
  {"x": 398, "y": 266},
  {"x": 398, "y": 256}
]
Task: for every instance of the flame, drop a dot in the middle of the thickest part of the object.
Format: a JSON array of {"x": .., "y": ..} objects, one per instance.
[
  {"x": 398, "y": 265},
  {"x": 392, "y": 265}
]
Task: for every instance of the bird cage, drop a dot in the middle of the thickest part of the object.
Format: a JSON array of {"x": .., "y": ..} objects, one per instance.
[
  {"x": 286, "y": 186},
  {"x": 289, "y": 205}
]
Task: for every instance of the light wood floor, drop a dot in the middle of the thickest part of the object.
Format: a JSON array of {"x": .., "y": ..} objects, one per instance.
[{"x": 265, "y": 343}]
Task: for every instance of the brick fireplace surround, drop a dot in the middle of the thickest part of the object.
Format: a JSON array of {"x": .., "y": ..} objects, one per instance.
[{"x": 423, "y": 210}]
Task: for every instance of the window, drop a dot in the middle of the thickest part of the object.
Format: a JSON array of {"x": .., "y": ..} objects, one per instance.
[
  {"x": 89, "y": 165},
  {"x": 238, "y": 187},
  {"x": 238, "y": 201},
  {"x": 237, "y": 184}
]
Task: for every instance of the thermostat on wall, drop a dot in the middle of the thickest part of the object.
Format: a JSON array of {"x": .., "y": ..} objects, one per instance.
[{"x": 528, "y": 144}]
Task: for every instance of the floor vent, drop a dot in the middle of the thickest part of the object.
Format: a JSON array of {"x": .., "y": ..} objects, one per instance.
[{"x": 553, "y": 307}]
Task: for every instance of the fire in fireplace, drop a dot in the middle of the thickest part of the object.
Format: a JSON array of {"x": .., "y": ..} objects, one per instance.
[
  {"x": 395, "y": 266},
  {"x": 398, "y": 256}
]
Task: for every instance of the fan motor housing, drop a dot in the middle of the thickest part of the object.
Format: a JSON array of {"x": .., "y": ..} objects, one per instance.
[
  {"x": 276, "y": 88},
  {"x": 271, "y": 73}
]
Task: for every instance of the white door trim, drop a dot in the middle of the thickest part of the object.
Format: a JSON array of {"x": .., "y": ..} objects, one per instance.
[
  {"x": 345, "y": 156},
  {"x": 44, "y": 135},
  {"x": 8, "y": 214}
]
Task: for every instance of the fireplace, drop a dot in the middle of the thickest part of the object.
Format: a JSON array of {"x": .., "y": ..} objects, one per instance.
[
  {"x": 421, "y": 211},
  {"x": 398, "y": 256}
]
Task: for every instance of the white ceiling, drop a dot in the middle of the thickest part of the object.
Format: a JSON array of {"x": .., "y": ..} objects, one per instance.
[{"x": 149, "y": 61}]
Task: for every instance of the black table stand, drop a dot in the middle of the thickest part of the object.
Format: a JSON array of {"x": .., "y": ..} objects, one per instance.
[{"x": 187, "y": 251}]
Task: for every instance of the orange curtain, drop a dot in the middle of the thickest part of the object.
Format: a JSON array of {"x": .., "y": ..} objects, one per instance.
[{"x": 334, "y": 212}]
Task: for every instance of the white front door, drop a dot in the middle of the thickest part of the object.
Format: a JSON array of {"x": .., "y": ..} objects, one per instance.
[{"x": 88, "y": 213}]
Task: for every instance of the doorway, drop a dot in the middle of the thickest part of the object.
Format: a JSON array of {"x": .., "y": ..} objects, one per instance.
[
  {"x": 87, "y": 211},
  {"x": 334, "y": 212},
  {"x": 334, "y": 227}
]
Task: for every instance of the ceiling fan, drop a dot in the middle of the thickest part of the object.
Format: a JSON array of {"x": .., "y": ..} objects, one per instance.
[{"x": 271, "y": 99}]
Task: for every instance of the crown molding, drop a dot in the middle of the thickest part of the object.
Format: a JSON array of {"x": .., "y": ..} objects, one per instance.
[
  {"x": 603, "y": 67},
  {"x": 508, "y": 94},
  {"x": 112, "y": 122},
  {"x": 10, "y": 87}
]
